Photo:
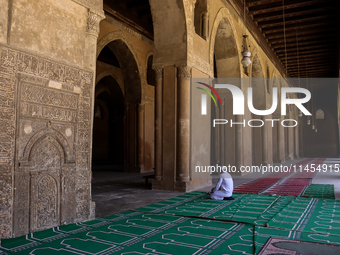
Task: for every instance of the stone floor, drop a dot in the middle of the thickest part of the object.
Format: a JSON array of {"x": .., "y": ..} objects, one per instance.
[{"x": 114, "y": 191}]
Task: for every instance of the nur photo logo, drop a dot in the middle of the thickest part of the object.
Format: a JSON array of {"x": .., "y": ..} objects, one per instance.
[{"x": 239, "y": 103}]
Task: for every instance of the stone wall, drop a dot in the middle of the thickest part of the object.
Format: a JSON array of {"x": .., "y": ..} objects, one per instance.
[
  {"x": 45, "y": 142},
  {"x": 46, "y": 101}
]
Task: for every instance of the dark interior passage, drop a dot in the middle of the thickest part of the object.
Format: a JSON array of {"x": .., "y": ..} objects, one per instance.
[{"x": 108, "y": 129}]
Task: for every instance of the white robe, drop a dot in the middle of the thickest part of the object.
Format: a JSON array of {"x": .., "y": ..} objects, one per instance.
[{"x": 224, "y": 187}]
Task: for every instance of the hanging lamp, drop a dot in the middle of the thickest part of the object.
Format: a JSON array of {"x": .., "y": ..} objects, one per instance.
[{"x": 245, "y": 53}]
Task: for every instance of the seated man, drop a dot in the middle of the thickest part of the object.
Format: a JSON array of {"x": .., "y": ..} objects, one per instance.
[{"x": 224, "y": 188}]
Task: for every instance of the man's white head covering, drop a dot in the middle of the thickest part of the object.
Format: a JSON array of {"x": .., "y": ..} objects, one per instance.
[{"x": 225, "y": 173}]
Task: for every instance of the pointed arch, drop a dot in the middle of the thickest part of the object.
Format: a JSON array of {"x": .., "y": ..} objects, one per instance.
[
  {"x": 128, "y": 58},
  {"x": 56, "y": 138},
  {"x": 223, "y": 16}
]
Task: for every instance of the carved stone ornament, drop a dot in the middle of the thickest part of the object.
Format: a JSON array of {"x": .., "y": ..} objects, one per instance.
[
  {"x": 158, "y": 73},
  {"x": 184, "y": 72},
  {"x": 48, "y": 183},
  {"x": 93, "y": 20}
]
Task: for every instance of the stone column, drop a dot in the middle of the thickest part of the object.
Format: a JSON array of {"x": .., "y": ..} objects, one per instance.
[
  {"x": 239, "y": 142},
  {"x": 264, "y": 143},
  {"x": 141, "y": 136},
  {"x": 183, "y": 124},
  {"x": 302, "y": 122},
  {"x": 92, "y": 31},
  {"x": 158, "y": 123},
  {"x": 296, "y": 136},
  {"x": 90, "y": 57},
  {"x": 205, "y": 25}
]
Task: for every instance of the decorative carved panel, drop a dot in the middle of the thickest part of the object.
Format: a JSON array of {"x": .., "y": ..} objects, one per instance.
[
  {"x": 45, "y": 125},
  {"x": 45, "y": 201}
]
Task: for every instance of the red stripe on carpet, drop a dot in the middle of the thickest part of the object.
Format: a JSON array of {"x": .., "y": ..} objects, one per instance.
[
  {"x": 256, "y": 185},
  {"x": 260, "y": 184},
  {"x": 285, "y": 190},
  {"x": 295, "y": 181}
]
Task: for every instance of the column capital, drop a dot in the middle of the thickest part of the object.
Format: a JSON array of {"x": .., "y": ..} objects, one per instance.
[
  {"x": 184, "y": 72},
  {"x": 93, "y": 19},
  {"x": 158, "y": 73}
]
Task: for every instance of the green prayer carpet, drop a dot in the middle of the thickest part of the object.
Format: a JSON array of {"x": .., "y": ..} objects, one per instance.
[
  {"x": 192, "y": 224},
  {"x": 319, "y": 191}
]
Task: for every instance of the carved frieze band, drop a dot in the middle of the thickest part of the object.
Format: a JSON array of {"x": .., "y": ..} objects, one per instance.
[{"x": 13, "y": 61}]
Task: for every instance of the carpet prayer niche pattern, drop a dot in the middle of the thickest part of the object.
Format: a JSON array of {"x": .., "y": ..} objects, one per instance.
[
  {"x": 319, "y": 191},
  {"x": 192, "y": 224}
]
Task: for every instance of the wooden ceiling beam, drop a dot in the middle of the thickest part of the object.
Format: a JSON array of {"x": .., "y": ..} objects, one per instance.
[
  {"x": 299, "y": 26},
  {"x": 292, "y": 12},
  {"x": 255, "y": 32},
  {"x": 310, "y": 67},
  {"x": 280, "y": 41},
  {"x": 313, "y": 70},
  {"x": 302, "y": 43},
  {"x": 289, "y": 34},
  {"x": 294, "y": 20},
  {"x": 305, "y": 53},
  {"x": 251, "y": 3},
  {"x": 305, "y": 48},
  {"x": 307, "y": 57},
  {"x": 321, "y": 74},
  {"x": 277, "y": 6},
  {"x": 304, "y": 64}
]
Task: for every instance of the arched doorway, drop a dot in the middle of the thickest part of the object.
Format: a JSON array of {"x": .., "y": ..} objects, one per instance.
[
  {"x": 226, "y": 65},
  {"x": 108, "y": 124},
  {"x": 115, "y": 132}
]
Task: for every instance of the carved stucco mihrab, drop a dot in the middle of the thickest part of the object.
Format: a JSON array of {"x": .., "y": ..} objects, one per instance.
[{"x": 45, "y": 125}]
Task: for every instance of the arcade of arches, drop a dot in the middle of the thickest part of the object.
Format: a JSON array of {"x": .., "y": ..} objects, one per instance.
[{"x": 86, "y": 84}]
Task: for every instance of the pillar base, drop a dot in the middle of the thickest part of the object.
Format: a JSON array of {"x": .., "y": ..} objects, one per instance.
[
  {"x": 158, "y": 178},
  {"x": 157, "y": 185},
  {"x": 182, "y": 179},
  {"x": 181, "y": 186},
  {"x": 92, "y": 210}
]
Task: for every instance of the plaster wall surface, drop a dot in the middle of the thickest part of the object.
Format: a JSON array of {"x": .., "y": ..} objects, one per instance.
[
  {"x": 50, "y": 28},
  {"x": 4, "y": 5}
]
